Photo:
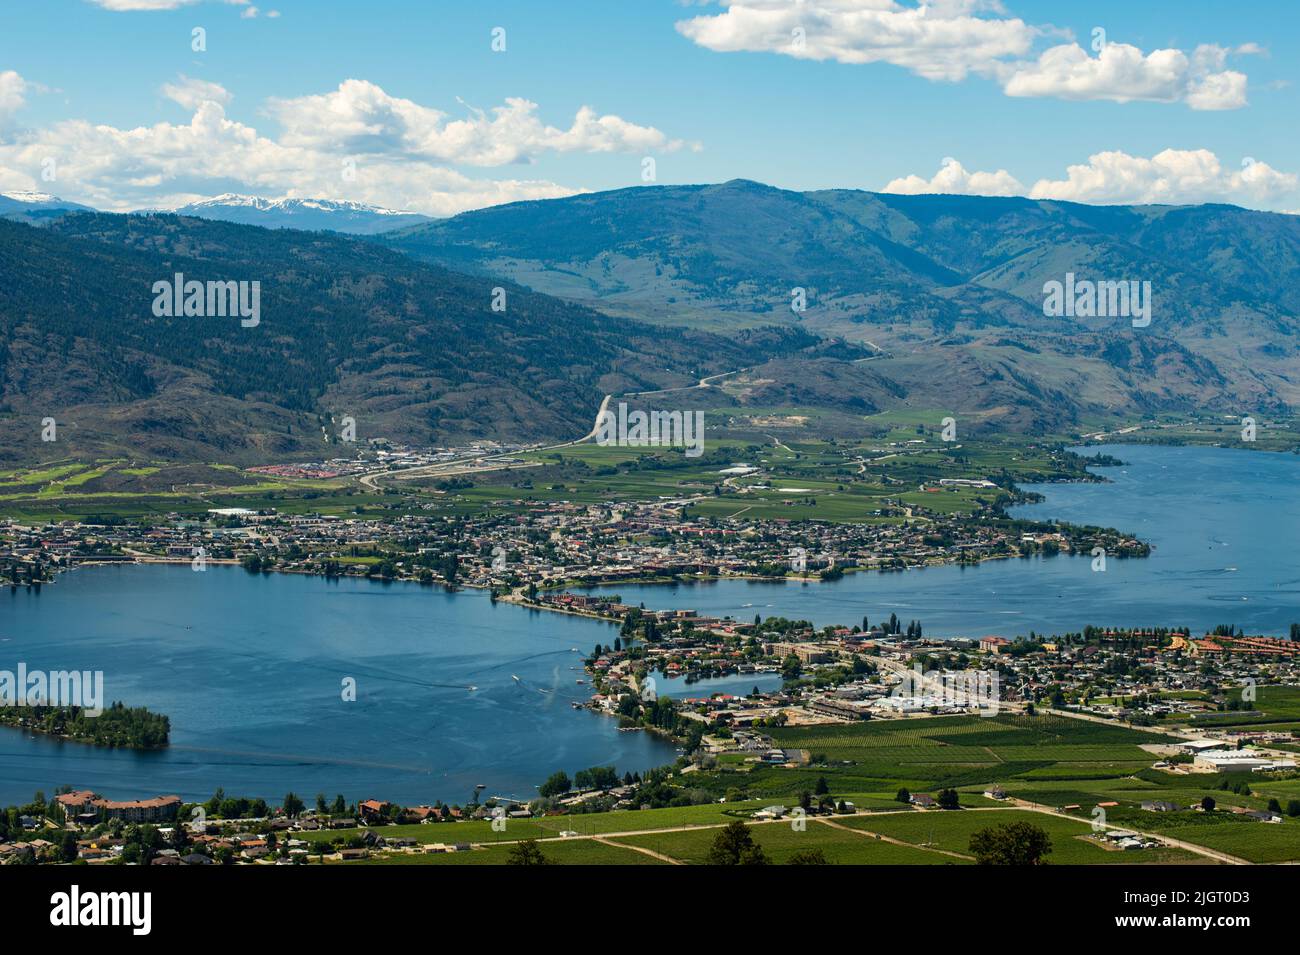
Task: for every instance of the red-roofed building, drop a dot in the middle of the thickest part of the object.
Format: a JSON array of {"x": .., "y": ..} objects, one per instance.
[
  {"x": 158, "y": 809},
  {"x": 78, "y": 803}
]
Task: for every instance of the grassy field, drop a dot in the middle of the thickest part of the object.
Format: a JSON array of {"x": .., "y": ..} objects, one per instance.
[
  {"x": 1046, "y": 760},
  {"x": 869, "y": 763},
  {"x": 1258, "y": 842},
  {"x": 1222, "y": 830},
  {"x": 952, "y": 831},
  {"x": 568, "y": 852},
  {"x": 937, "y": 750},
  {"x": 480, "y": 831},
  {"x": 780, "y": 841},
  {"x": 931, "y": 838},
  {"x": 120, "y": 489},
  {"x": 1272, "y": 705}
]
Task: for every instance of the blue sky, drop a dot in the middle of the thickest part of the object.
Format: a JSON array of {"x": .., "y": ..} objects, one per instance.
[{"x": 114, "y": 107}]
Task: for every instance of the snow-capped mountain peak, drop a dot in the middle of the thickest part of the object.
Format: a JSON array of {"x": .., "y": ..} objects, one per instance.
[
  {"x": 43, "y": 198},
  {"x": 230, "y": 199},
  {"x": 337, "y": 215},
  {"x": 36, "y": 207}
]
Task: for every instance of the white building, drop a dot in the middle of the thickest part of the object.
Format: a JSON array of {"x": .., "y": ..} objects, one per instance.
[{"x": 1232, "y": 760}]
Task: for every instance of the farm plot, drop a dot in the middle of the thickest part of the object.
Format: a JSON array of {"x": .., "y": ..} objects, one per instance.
[{"x": 780, "y": 841}]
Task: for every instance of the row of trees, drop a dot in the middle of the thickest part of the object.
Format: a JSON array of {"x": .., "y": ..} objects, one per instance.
[{"x": 597, "y": 777}]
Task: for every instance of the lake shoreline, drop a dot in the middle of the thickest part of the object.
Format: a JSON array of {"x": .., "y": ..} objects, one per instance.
[{"x": 302, "y": 637}]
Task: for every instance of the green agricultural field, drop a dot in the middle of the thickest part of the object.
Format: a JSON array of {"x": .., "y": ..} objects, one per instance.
[
  {"x": 1283, "y": 790},
  {"x": 1186, "y": 790},
  {"x": 952, "y": 831},
  {"x": 557, "y": 852},
  {"x": 472, "y": 831},
  {"x": 37, "y": 477},
  {"x": 121, "y": 489},
  {"x": 1259, "y": 842},
  {"x": 932, "y": 748},
  {"x": 842, "y": 480},
  {"x": 480, "y": 831},
  {"x": 1273, "y": 704},
  {"x": 867, "y": 763},
  {"x": 1229, "y": 832},
  {"x": 780, "y": 841}
]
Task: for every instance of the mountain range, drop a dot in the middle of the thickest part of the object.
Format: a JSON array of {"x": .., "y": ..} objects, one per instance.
[
  {"x": 919, "y": 303},
  {"x": 334, "y": 215},
  {"x": 412, "y": 352},
  {"x": 322, "y": 215},
  {"x": 949, "y": 288},
  {"x": 36, "y": 208}
]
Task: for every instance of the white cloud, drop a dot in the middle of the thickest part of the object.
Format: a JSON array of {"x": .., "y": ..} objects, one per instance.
[
  {"x": 13, "y": 89},
  {"x": 943, "y": 41},
  {"x": 1220, "y": 91},
  {"x": 1174, "y": 176},
  {"x": 190, "y": 93},
  {"x": 131, "y": 6},
  {"x": 355, "y": 143},
  {"x": 951, "y": 39},
  {"x": 953, "y": 179},
  {"x": 1122, "y": 73},
  {"x": 360, "y": 117},
  {"x": 1171, "y": 176}
]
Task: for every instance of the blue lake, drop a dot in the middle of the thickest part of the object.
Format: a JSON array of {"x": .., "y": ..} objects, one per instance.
[
  {"x": 249, "y": 668},
  {"x": 733, "y": 684},
  {"x": 1223, "y": 523}
]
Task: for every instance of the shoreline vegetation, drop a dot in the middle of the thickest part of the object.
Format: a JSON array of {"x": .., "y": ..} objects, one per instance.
[
  {"x": 117, "y": 727},
  {"x": 1141, "y": 550},
  {"x": 1069, "y": 538}
]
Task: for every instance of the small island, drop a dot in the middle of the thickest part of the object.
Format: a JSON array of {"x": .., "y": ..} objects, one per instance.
[{"x": 119, "y": 726}]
